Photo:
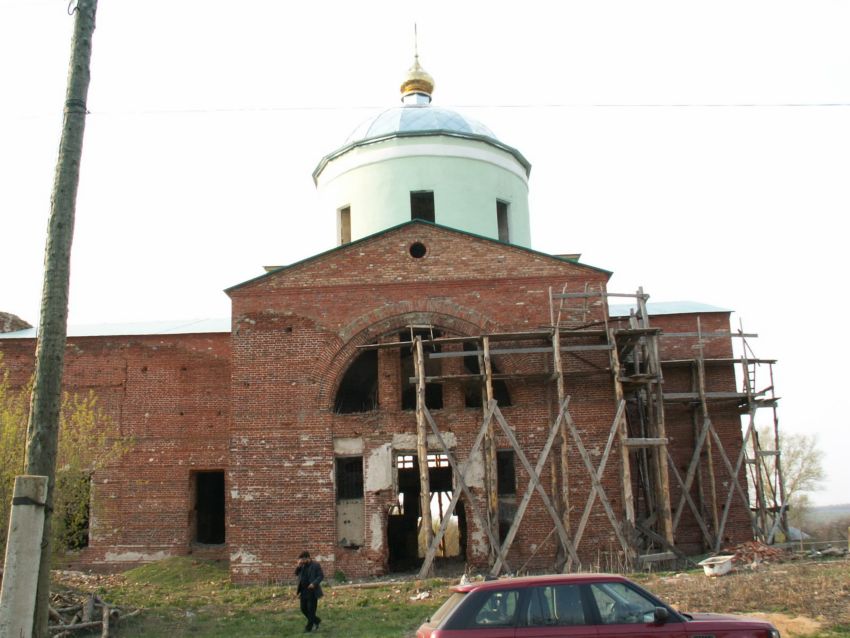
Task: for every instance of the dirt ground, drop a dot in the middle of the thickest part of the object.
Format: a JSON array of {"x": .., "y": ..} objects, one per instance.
[{"x": 800, "y": 597}]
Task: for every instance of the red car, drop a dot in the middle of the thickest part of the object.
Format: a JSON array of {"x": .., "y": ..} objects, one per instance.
[{"x": 577, "y": 605}]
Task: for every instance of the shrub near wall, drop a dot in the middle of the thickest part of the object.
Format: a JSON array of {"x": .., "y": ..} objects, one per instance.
[{"x": 88, "y": 440}]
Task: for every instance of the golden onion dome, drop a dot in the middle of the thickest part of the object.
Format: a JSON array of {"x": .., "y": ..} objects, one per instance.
[{"x": 417, "y": 80}]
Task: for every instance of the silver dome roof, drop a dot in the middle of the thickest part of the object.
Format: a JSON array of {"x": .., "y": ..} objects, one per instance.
[{"x": 417, "y": 118}]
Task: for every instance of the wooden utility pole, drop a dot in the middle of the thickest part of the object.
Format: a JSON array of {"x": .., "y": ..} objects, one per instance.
[{"x": 43, "y": 427}]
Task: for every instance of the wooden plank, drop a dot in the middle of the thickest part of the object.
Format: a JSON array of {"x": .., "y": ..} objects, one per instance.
[
  {"x": 694, "y": 396},
  {"x": 707, "y": 335},
  {"x": 582, "y": 295},
  {"x": 523, "y": 350},
  {"x": 712, "y": 361},
  {"x": 644, "y": 442},
  {"x": 497, "y": 376},
  {"x": 655, "y": 558},
  {"x": 533, "y": 482},
  {"x": 664, "y": 544}
]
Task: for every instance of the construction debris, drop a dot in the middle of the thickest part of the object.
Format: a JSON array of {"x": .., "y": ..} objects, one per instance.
[
  {"x": 71, "y": 612},
  {"x": 755, "y": 553},
  {"x": 829, "y": 550}
]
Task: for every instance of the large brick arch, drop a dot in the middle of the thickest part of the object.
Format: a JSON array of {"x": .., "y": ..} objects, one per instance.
[{"x": 443, "y": 315}]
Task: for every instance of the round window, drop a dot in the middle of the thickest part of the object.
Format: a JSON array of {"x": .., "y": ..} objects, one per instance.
[{"x": 418, "y": 250}]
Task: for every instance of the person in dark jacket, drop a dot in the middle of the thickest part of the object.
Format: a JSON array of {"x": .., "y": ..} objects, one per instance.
[{"x": 310, "y": 579}]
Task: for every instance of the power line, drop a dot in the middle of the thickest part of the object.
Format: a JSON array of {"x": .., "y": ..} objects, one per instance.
[{"x": 364, "y": 107}]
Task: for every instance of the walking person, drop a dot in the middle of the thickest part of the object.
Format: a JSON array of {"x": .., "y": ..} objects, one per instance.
[{"x": 310, "y": 579}]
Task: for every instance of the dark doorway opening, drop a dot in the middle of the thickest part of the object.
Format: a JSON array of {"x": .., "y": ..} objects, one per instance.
[
  {"x": 209, "y": 508},
  {"x": 405, "y": 539}
]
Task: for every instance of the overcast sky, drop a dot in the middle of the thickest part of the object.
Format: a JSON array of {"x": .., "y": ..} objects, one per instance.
[{"x": 699, "y": 149}]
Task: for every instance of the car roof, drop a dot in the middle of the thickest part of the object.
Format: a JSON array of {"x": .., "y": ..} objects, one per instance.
[{"x": 532, "y": 581}]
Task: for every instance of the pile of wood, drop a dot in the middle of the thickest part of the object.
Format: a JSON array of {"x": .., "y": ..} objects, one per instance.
[
  {"x": 71, "y": 612},
  {"x": 754, "y": 552}
]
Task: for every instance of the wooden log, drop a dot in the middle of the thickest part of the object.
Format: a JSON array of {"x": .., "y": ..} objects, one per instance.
[
  {"x": 110, "y": 622},
  {"x": 88, "y": 609},
  {"x": 490, "y": 455},
  {"x": 422, "y": 446},
  {"x": 625, "y": 461},
  {"x": 557, "y": 364},
  {"x": 82, "y": 625}
]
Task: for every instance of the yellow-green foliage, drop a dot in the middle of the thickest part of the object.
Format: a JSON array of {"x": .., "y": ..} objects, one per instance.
[{"x": 88, "y": 440}]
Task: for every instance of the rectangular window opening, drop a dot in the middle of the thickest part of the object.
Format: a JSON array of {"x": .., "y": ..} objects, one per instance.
[
  {"x": 433, "y": 368},
  {"x": 502, "y": 220},
  {"x": 344, "y": 223},
  {"x": 349, "y": 477},
  {"x": 506, "y": 486},
  {"x": 422, "y": 205},
  {"x": 505, "y": 473},
  {"x": 209, "y": 507}
]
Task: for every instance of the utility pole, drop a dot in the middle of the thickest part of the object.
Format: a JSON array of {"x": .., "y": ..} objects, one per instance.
[{"x": 43, "y": 427}]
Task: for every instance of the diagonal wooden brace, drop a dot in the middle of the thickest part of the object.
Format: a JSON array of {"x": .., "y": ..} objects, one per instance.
[{"x": 533, "y": 482}]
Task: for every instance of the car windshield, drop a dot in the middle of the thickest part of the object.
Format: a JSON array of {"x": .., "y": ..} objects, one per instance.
[
  {"x": 446, "y": 608},
  {"x": 618, "y": 603}
]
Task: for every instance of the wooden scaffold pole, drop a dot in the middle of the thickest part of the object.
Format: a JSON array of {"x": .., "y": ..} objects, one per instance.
[{"x": 422, "y": 445}]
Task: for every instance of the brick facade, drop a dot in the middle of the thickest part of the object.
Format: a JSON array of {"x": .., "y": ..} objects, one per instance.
[{"x": 258, "y": 404}]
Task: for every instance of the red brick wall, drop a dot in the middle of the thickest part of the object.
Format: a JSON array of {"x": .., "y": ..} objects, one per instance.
[
  {"x": 170, "y": 395},
  {"x": 258, "y": 404}
]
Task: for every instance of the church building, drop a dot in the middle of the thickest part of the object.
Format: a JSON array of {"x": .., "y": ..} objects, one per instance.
[{"x": 429, "y": 390}]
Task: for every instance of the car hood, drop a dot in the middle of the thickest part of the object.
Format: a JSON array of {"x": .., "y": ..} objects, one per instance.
[{"x": 723, "y": 619}]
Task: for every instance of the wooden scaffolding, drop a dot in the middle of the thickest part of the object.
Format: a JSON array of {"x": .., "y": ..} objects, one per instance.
[
  {"x": 763, "y": 494},
  {"x": 646, "y": 528}
]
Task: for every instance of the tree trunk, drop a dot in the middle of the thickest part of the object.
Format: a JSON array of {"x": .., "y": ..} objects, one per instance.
[{"x": 43, "y": 427}]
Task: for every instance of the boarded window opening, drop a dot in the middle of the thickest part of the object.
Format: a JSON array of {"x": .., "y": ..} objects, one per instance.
[
  {"x": 358, "y": 390},
  {"x": 350, "y": 528},
  {"x": 502, "y": 220},
  {"x": 473, "y": 391},
  {"x": 422, "y": 205},
  {"x": 349, "y": 477},
  {"x": 209, "y": 507},
  {"x": 344, "y": 223},
  {"x": 433, "y": 391}
]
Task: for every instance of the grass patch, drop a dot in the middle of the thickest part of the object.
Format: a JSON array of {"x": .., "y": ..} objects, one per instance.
[{"x": 183, "y": 597}]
